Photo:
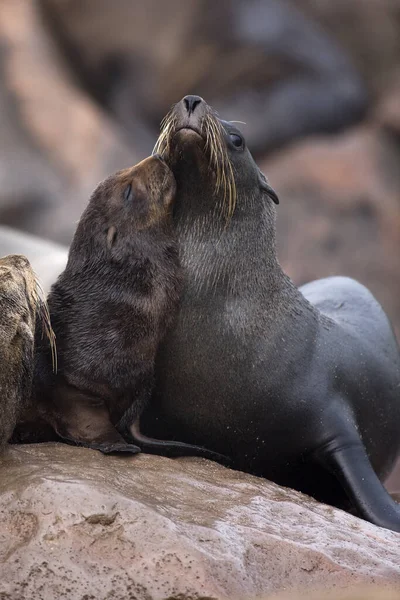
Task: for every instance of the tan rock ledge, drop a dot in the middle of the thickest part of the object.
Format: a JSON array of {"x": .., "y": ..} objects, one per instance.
[{"x": 76, "y": 524}]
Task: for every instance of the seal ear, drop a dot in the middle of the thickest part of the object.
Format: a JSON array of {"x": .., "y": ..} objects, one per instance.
[
  {"x": 111, "y": 236},
  {"x": 268, "y": 189}
]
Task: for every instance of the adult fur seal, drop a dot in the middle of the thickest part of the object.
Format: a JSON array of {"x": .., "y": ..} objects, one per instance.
[
  {"x": 110, "y": 308},
  {"x": 22, "y": 304},
  {"x": 301, "y": 386}
]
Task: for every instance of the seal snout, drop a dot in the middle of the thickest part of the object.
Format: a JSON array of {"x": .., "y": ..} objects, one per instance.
[
  {"x": 189, "y": 114},
  {"x": 191, "y": 103},
  {"x": 157, "y": 181}
]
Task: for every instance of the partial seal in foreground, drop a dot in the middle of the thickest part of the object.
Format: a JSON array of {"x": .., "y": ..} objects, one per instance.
[
  {"x": 22, "y": 310},
  {"x": 301, "y": 386},
  {"x": 110, "y": 308}
]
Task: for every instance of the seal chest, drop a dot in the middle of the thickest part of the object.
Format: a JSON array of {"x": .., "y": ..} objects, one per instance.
[{"x": 287, "y": 385}]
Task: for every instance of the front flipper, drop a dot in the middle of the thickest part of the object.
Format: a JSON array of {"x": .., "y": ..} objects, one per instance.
[
  {"x": 172, "y": 448},
  {"x": 81, "y": 420},
  {"x": 132, "y": 406},
  {"x": 349, "y": 462}
]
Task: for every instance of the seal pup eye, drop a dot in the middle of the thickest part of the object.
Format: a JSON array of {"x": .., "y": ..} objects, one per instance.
[
  {"x": 128, "y": 194},
  {"x": 236, "y": 140}
]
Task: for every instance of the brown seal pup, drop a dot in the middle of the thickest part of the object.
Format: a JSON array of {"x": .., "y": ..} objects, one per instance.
[
  {"x": 301, "y": 386},
  {"x": 110, "y": 308},
  {"x": 22, "y": 304}
]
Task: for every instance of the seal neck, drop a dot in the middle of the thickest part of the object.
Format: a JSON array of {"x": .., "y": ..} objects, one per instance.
[{"x": 236, "y": 257}]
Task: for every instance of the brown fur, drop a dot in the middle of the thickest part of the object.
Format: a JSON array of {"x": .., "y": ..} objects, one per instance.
[
  {"x": 19, "y": 306},
  {"x": 110, "y": 309}
]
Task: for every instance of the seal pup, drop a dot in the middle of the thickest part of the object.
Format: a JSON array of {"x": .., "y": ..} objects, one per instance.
[
  {"x": 110, "y": 308},
  {"x": 22, "y": 305},
  {"x": 301, "y": 386}
]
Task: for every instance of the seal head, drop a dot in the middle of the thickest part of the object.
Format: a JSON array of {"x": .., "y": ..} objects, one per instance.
[{"x": 206, "y": 155}]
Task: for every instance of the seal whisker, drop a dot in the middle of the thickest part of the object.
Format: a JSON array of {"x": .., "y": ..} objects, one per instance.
[
  {"x": 44, "y": 316},
  {"x": 219, "y": 161}
]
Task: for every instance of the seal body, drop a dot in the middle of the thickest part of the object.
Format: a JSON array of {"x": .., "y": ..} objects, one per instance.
[
  {"x": 301, "y": 386},
  {"x": 21, "y": 303}
]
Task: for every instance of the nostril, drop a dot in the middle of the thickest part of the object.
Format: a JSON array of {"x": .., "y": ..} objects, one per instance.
[{"x": 191, "y": 102}]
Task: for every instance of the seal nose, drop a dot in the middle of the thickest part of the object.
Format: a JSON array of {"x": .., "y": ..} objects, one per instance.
[{"x": 191, "y": 102}]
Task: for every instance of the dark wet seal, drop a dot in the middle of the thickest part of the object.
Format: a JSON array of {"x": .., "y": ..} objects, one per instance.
[
  {"x": 301, "y": 386},
  {"x": 110, "y": 308},
  {"x": 22, "y": 309}
]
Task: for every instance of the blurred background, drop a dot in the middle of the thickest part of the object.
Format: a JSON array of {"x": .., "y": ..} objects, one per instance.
[{"x": 85, "y": 83}]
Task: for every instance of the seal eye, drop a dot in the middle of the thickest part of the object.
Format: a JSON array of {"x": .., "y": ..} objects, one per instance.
[
  {"x": 236, "y": 140},
  {"x": 128, "y": 195}
]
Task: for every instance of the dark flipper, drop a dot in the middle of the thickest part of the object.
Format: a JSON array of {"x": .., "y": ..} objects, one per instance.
[
  {"x": 115, "y": 447},
  {"x": 350, "y": 464},
  {"x": 172, "y": 448}
]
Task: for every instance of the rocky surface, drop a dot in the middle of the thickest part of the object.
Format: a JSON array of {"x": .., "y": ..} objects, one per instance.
[
  {"x": 368, "y": 30},
  {"x": 77, "y": 524},
  {"x": 56, "y": 144},
  {"x": 357, "y": 593},
  {"x": 340, "y": 210}
]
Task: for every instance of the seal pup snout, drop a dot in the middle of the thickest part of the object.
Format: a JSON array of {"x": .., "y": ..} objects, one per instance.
[{"x": 158, "y": 181}]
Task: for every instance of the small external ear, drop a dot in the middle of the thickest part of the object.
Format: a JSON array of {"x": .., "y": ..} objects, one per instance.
[
  {"x": 111, "y": 236},
  {"x": 268, "y": 189}
]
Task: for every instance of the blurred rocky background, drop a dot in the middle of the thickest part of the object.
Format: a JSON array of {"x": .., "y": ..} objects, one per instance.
[{"x": 85, "y": 83}]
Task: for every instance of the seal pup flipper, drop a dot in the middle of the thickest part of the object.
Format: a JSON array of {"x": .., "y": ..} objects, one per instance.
[
  {"x": 81, "y": 420},
  {"x": 349, "y": 462}
]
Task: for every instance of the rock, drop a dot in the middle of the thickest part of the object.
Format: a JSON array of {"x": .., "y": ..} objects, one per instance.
[
  {"x": 78, "y": 524},
  {"x": 357, "y": 593},
  {"x": 47, "y": 259},
  {"x": 340, "y": 211},
  {"x": 387, "y": 113},
  {"x": 393, "y": 482},
  {"x": 367, "y": 29},
  {"x": 56, "y": 144},
  {"x": 243, "y": 69}
]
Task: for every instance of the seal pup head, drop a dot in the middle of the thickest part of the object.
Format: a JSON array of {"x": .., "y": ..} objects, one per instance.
[
  {"x": 203, "y": 150},
  {"x": 126, "y": 205}
]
